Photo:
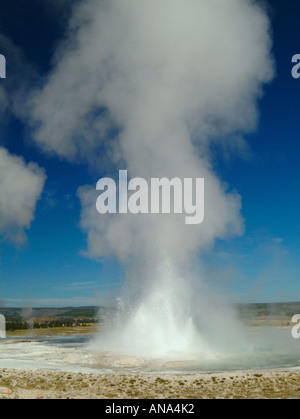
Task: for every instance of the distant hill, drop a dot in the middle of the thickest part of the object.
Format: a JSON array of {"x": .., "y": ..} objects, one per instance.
[
  {"x": 94, "y": 313},
  {"x": 86, "y": 312},
  {"x": 268, "y": 309}
]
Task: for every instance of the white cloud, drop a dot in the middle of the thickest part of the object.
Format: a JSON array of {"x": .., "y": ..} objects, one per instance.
[{"x": 21, "y": 186}]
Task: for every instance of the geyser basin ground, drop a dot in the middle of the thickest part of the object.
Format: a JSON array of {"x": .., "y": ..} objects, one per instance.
[
  {"x": 271, "y": 348},
  {"x": 44, "y": 384}
]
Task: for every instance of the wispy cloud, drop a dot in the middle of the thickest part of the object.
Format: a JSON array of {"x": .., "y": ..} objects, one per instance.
[
  {"x": 80, "y": 285},
  {"x": 51, "y": 302}
]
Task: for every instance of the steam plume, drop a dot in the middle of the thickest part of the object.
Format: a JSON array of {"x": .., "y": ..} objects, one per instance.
[{"x": 154, "y": 84}]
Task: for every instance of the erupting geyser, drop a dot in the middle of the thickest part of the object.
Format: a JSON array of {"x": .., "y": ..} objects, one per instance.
[{"x": 155, "y": 84}]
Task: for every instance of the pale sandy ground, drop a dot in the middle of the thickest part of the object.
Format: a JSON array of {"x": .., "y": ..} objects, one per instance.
[{"x": 42, "y": 384}]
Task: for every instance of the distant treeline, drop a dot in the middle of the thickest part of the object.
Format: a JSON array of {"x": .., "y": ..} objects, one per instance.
[
  {"x": 268, "y": 309},
  {"x": 22, "y": 314},
  {"x": 23, "y": 325}
]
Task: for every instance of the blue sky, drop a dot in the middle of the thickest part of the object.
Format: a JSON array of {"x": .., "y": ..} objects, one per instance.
[{"x": 50, "y": 268}]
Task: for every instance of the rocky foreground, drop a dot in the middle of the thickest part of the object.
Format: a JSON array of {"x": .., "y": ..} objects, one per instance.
[{"x": 43, "y": 384}]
